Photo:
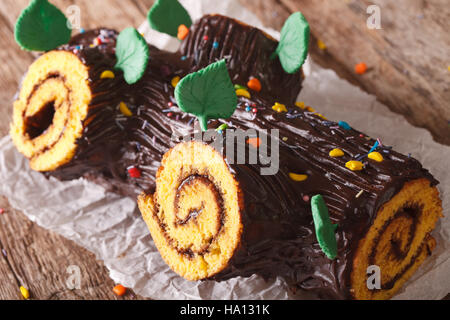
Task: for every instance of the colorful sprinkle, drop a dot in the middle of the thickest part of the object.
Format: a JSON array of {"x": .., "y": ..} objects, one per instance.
[
  {"x": 344, "y": 125},
  {"x": 107, "y": 74},
  {"x": 336, "y": 153},
  {"x": 125, "y": 110},
  {"x": 298, "y": 177},
  {"x": 361, "y": 68},
  {"x": 254, "y": 84},
  {"x": 238, "y": 86},
  {"x": 134, "y": 172},
  {"x": 255, "y": 142},
  {"x": 183, "y": 32},
  {"x": 25, "y": 293},
  {"x": 285, "y": 139},
  {"x": 309, "y": 109},
  {"x": 247, "y": 108},
  {"x": 354, "y": 165},
  {"x": 120, "y": 290},
  {"x": 175, "y": 81},
  {"x": 82, "y": 30},
  {"x": 2, "y": 211},
  {"x": 321, "y": 44},
  {"x": 243, "y": 93},
  {"x": 300, "y": 104},
  {"x": 222, "y": 127},
  {"x": 170, "y": 114},
  {"x": 375, "y": 156},
  {"x": 278, "y": 107},
  {"x": 215, "y": 45},
  {"x": 375, "y": 146},
  {"x": 206, "y": 38},
  {"x": 306, "y": 198},
  {"x": 183, "y": 58},
  {"x": 254, "y": 110},
  {"x": 359, "y": 194}
]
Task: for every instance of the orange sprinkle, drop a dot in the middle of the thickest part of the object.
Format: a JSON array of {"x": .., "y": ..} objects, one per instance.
[
  {"x": 254, "y": 84},
  {"x": 120, "y": 290},
  {"x": 183, "y": 31},
  {"x": 255, "y": 142},
  {"x": 361, "y": 68}
]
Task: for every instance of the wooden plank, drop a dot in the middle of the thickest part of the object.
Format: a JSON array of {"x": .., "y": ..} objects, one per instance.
[
  {"x": 35, "y": 257},
  {"x": 408, "y": 57}
]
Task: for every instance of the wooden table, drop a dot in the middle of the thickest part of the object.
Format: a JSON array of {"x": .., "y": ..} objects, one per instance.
[{"x": 38, "y": 259}]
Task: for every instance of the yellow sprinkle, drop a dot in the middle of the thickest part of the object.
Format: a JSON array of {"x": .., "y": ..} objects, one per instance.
[
  {"x": 321, "y": 116},
  {"x": 24, "y": 292},
  {"x": 243, "y": 93},
  {"x": 321, "y": 44},
  {"x": 285, "y": 139},
  {"x": 354, "y": 165},
  {"x": 336, "y": 153},
  {"x": 298, "y": 177},
  {"x": 278, "y": 107},
  {"x": 310, "y": 109},
  {"x": 175, "y": 81},
  {"x": 107, "y": 74},
  {"x": 124, "y": 109},
  {"x": 91, "y": 45},
  {"x": 448, "y": 68},
  {"x": 300, "y": 104},
  {"x": 375, "y": 156}
]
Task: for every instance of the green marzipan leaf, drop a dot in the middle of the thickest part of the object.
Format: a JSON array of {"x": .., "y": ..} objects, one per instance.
[
  {"x": 167, "y": 15},
  {"x": 325, "y": 230},
  {"x": 41, "y": 27},
  {"x": 294, "y": 42},
  {"x": 132, "y": 54},
  {"x": 207, "y": 94}
]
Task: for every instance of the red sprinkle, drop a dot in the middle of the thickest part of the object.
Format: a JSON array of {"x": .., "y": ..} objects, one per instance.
[
  {"x": 206, "y": 38},
  {"x": 254, "y": 110},
  {"x": 170, "y": 114},
  {"x": 134, "y": 172},
  {"x": 306, "y": 198},
  {"x": 361, "y": 135},
  {"x": 2, "y": 211},
  {"x": 170, "y": 104}
]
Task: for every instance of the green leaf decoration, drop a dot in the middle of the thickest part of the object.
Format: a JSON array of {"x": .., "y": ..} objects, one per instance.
[
  {"x": 167, "y": 15},
  {"x": 294, "y": 42},
  {"x": 207, "y": 94},
  {"x": 42, "y": 27},
  {"x": 132, "y": 54},
  {"x": 325, "y": 230}
]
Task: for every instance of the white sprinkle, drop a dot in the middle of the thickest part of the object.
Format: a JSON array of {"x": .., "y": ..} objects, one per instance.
[{"x": 359, "y": 193}]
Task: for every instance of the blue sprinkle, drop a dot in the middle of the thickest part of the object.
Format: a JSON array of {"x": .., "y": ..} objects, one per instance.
[
  {"x": 183, "y": 58},
  {"x": 78, "y": 47},
  {"x": 344, "y": 125},
  {"x": 247, "y": 109},
  {"x": 215, "y": 45},
  {"x": 219, "y": 131},
  {"x": 82, "y": 30},
  {"x": 374, "y": 146}
]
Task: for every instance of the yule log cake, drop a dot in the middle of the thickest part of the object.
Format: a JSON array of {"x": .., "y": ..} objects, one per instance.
[{"x": 106, "y": 105}]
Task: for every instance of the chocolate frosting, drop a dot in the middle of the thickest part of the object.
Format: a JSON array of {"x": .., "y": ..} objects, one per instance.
[{"x": 279, "y": 237}]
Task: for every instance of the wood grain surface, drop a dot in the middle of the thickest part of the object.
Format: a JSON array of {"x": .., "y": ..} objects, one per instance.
[
  {"x": 408, "y": 72},
  {"x": 408, "y": 58}
]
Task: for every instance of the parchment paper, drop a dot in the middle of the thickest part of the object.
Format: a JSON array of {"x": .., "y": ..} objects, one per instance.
[{"x": 111, "y": 226}]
